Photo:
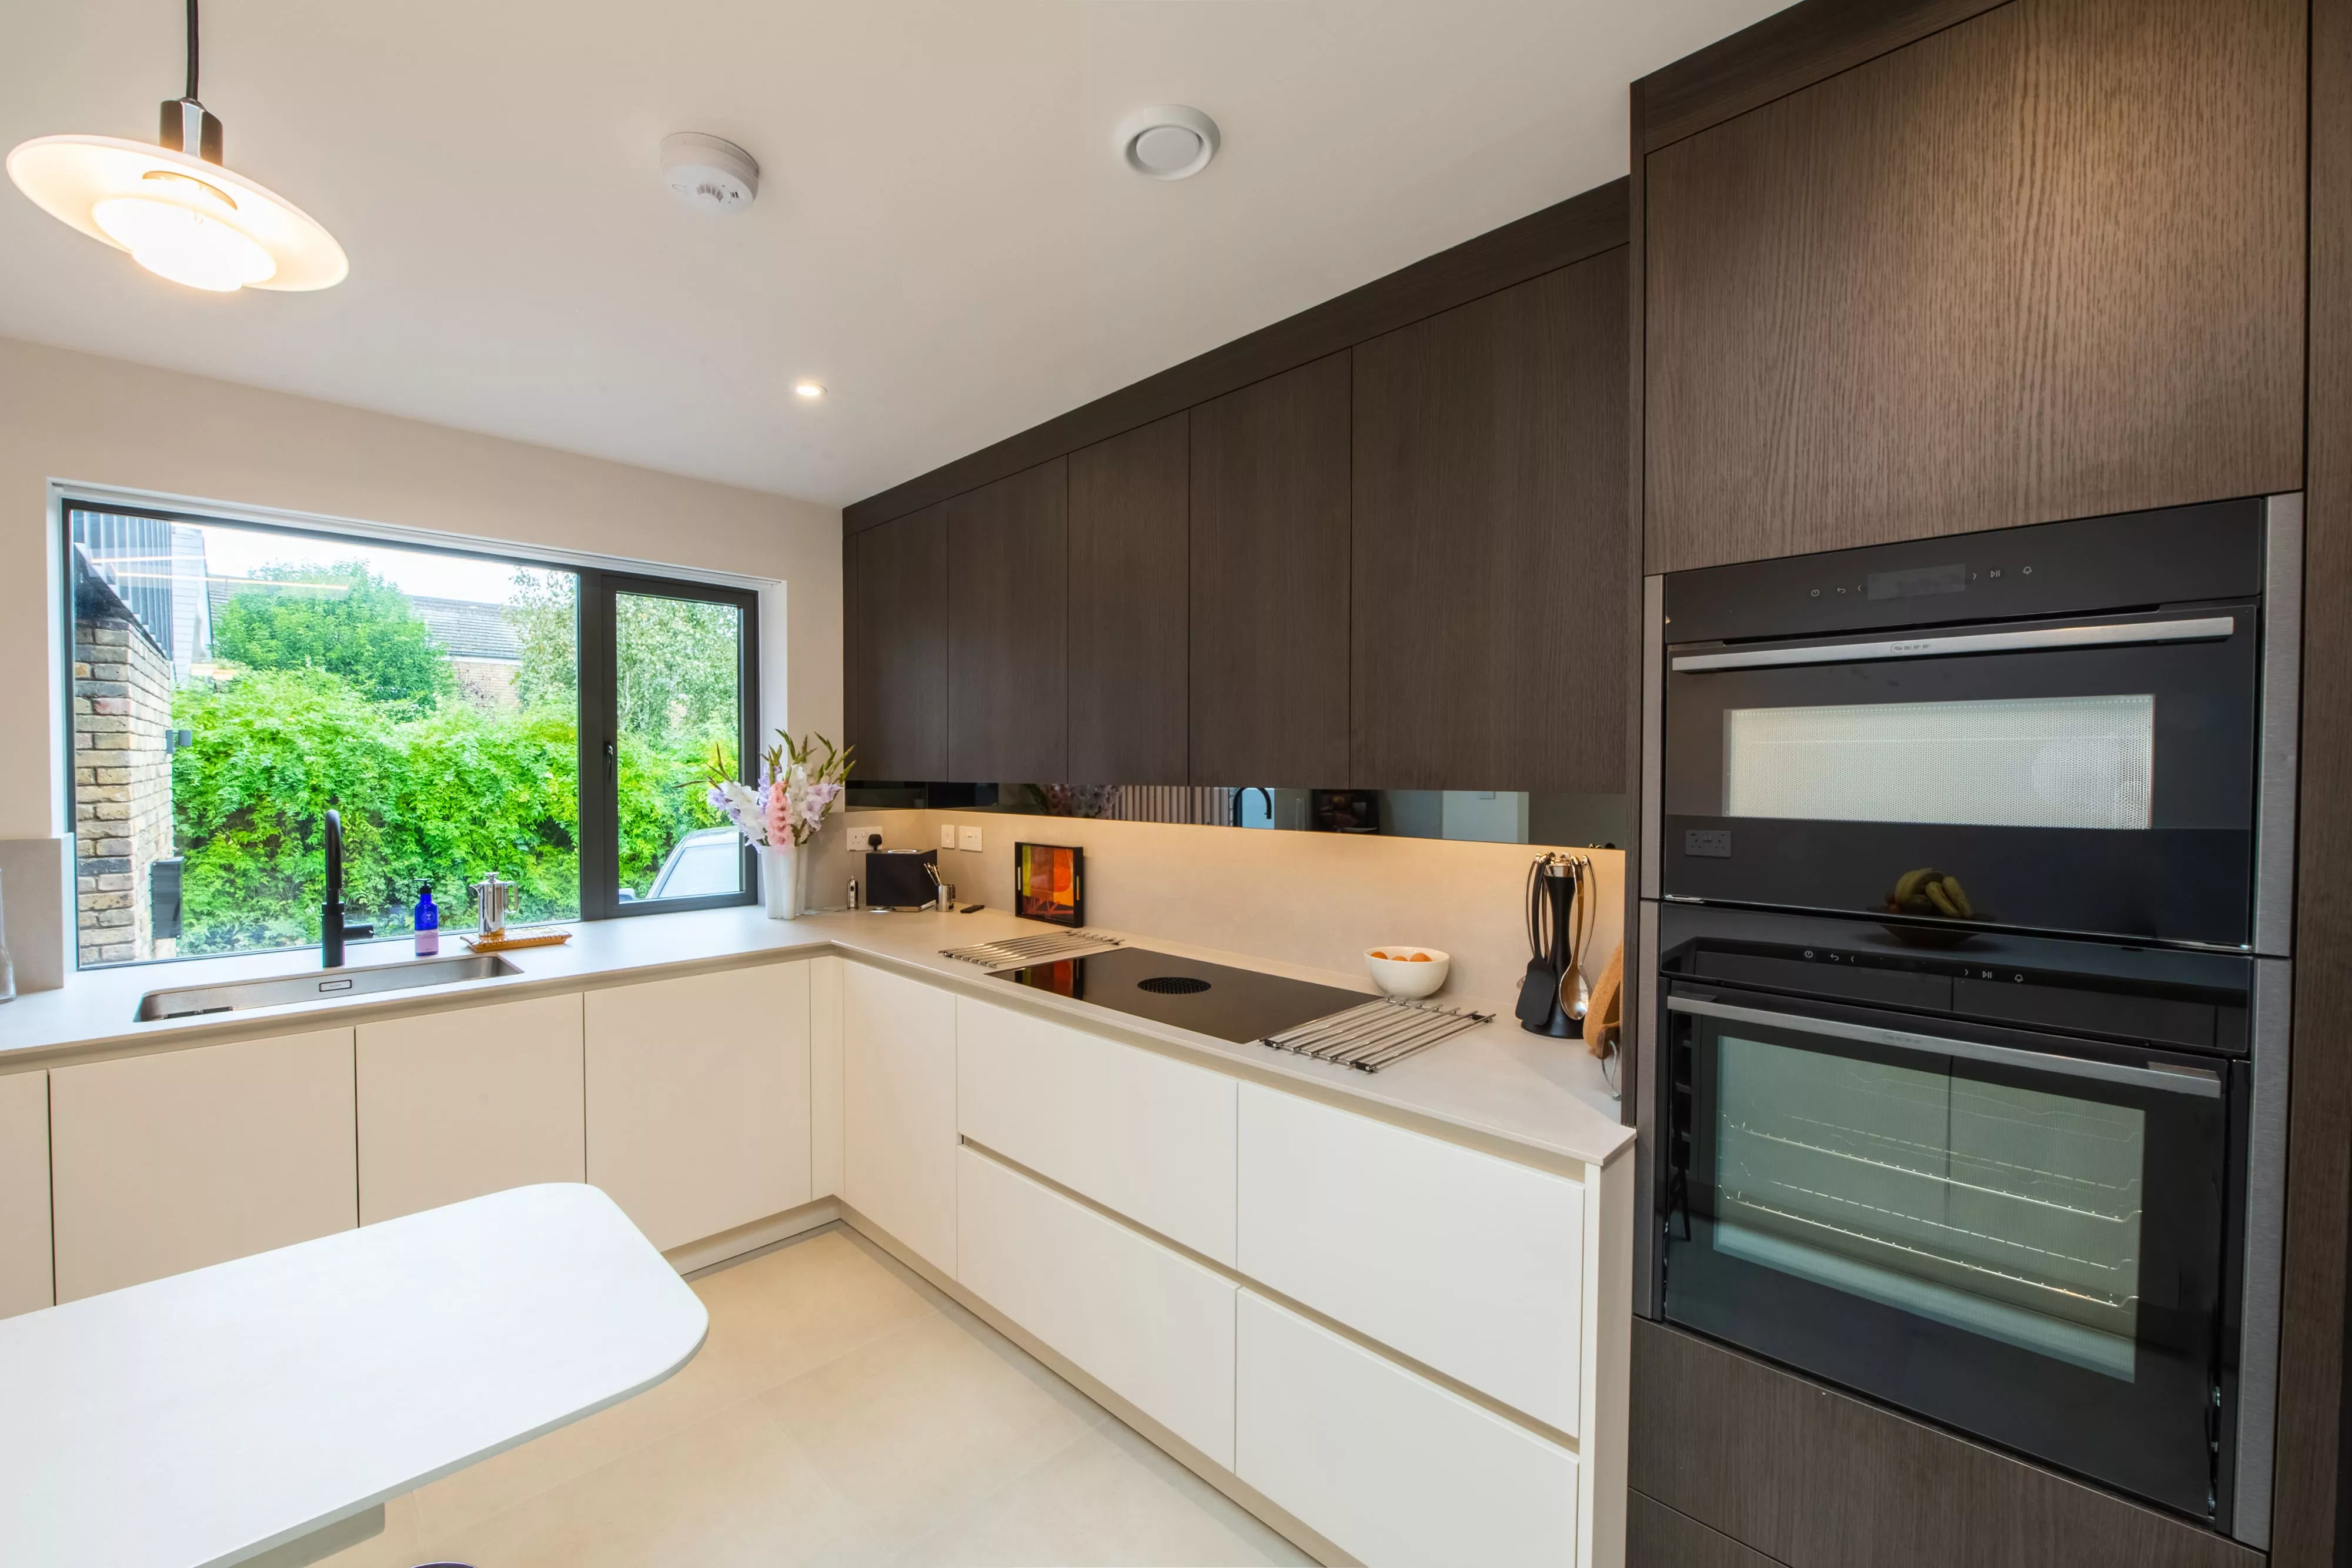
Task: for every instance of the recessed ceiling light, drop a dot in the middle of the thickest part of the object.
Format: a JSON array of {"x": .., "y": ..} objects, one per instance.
[
  {"x": 1167, "y": 141},
  {"x": 179, "y": 214},
  {"x": 807, "y": 389}
]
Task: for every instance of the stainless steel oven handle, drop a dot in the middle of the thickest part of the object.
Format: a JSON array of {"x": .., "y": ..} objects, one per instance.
[
  {"x": 2201, "y": 629},
  {"x": 2175, "y": 1080}
]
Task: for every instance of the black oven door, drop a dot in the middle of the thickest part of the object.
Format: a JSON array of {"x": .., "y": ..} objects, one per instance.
[
  {"x": 2020, "y": 1236},
  {"x": 2091, "y": 775}
]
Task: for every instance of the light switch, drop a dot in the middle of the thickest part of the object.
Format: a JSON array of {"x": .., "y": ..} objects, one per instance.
[
  {"x": 970, "y": 837},
  {"x": 947, "y": 835}
]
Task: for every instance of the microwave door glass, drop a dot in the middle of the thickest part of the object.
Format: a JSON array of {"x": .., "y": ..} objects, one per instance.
[{"x": 2019, "y": 762}]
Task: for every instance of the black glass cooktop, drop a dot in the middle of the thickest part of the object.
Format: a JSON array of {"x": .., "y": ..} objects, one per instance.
[{"x": 1239, "y": 1005}]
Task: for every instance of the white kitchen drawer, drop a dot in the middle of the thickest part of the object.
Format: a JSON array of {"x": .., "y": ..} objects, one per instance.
[
  {"x": 1155, "y": 1326},
  {"x": 463, "y": 1103},
  {"x": 898, "y": 1109},
  {"x": 1389, "y": 1465},
  {"x": 1470, "y": 1264},
  {"x": 25, "y": 1282},
  {"x": 697, "y": 1099},
  {"x": 170, "y": 1162},
  {"x": 1142, "y": 1134}
]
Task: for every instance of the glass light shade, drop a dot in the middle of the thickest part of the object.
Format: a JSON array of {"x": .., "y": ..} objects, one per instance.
[
  {"x": 126, "y": 194},
  {"x": 185, "y": 246}
]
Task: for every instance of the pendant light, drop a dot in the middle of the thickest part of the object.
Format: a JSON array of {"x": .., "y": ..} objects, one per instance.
[{"x": 175, "y": 208}]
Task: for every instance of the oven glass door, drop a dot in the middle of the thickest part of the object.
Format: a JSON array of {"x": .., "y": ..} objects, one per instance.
[
  {"x": 2094, "y": 775},
  {"x": 2024, "y": 1243}
]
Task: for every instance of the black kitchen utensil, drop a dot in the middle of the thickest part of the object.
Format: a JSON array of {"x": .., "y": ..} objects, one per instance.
[{"x": 1557, "y": 913}]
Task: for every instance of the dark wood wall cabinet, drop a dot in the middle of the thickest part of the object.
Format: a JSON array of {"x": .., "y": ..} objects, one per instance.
[
  {"x": 1008, "y": 628},
  {"x": 1270, "y": 580},
  {"x": 897, "y": 632},
  {"x": 2045, "y": 263},
  {"x": 1814, "y": 1479},
  {"x": 1130, "y": 538},
  {"x": 1489, "y": 494},
  {"x": 1374, "y": 547}
]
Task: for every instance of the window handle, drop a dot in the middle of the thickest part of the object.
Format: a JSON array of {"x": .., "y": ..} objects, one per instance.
[{"x": 611, "y": 762}]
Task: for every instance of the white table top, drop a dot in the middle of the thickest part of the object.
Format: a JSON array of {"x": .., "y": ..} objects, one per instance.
[{"x": 206, "y": 1418}]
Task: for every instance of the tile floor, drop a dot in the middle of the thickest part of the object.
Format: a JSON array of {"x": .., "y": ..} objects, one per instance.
[{"x": 843, "y": 1413}]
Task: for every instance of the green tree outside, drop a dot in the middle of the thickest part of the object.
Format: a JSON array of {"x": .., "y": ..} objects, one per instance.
[{"x": 342, "y": 619}]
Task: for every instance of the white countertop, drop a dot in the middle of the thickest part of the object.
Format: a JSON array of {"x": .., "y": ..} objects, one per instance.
[
  {"x": 203, "y": 1419},
  {"x": 1496, "y": 1085}
]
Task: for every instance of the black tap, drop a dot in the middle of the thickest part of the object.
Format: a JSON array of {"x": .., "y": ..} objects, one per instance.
[{"x": 333, "y": 931}]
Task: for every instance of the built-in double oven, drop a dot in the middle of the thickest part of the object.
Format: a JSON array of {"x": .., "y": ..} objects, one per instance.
[{"x": 1965, "y": 917}]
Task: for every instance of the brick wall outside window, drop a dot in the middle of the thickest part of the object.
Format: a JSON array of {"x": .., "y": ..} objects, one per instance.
[{"x": 122, "y": 786}]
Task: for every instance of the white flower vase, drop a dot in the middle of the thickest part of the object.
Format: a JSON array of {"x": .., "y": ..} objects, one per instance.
[{"x": 780, "y": 879}]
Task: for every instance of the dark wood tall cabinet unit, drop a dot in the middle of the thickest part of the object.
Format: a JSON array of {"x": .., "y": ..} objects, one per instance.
[
  {"x": 1816, "y": 1479},
  {"x": 1905, "y": 268},
  {"x": 1129, "y": 641},
  {"x": 2312, "y": 1519},
  {"x": 897, "y": 652},
  {"x": 2046, "y": 263},
  {"x": 1008, "y": 628},
  {"x": 1489, "y": 494},
  {"x": 1270, "y": 487}
]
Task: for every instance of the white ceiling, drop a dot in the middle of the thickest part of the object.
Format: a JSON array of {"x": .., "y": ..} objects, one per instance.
[{"x": 944, "y": 236}]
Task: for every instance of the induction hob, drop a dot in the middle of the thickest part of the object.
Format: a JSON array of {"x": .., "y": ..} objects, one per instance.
[{"x": 1216, "y": 999}]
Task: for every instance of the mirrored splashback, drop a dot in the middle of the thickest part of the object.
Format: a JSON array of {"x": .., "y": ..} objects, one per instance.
[{"x": 1488, "y": 816}]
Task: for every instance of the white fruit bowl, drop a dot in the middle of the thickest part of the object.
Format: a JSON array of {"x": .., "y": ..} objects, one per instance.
[{"x": 1400, "y": 975}]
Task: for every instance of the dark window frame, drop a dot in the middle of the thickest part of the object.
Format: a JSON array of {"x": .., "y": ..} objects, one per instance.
[
  {"x": 596, "y": 714},
  {"x": 600, "y": 729}
]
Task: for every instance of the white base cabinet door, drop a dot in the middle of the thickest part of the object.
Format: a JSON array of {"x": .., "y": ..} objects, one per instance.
[
  {"x": 1393, "y": 1469},
  {"x": 170, "y": 1162},
  {"x": 25, "y": 1282},
  {"x": 1155, "y": 1326},
  {"x": 459, "y": 1104},
  {"x": 1465, "y": 1262},
  {"x": 1147, "y": 1136},
  {"x": 898, "y": 1109},
  {"x": 697, "y": 1099}
]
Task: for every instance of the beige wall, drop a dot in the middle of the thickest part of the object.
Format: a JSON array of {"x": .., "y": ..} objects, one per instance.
[
  {"x": 72, "y": 416},
  {"x": 1315, "y": 899}
]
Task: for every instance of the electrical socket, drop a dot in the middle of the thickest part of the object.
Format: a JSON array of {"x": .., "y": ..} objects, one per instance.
[
  {"x": 970, "y": 839},
  {"x": 947, "y": 835}
]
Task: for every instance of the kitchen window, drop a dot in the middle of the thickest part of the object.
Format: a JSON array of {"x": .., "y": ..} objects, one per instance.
[{"x": 468, "y": 714}]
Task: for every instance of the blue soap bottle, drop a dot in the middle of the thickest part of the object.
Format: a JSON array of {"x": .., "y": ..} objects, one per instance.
[{"x": 428, "y": 924}]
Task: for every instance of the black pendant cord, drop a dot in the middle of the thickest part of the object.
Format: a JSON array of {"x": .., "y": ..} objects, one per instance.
[{"x": 190, "y": 96}]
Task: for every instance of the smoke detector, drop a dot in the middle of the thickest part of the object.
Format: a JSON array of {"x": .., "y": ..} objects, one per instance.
[
  {"x": 708, "y": 171},
  {"x": 1167, "y": 141}
]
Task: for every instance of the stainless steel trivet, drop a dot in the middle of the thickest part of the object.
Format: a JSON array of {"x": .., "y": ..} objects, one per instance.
[
  {"x": 1046, "y": 948},
  {"x": 1376, "y": 1034}
]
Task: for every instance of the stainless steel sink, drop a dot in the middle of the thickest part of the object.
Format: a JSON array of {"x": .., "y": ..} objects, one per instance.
[{"x": 278, "y": 990}]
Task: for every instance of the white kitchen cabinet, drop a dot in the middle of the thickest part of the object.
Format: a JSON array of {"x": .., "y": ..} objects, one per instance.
[
  {"x": 1389, "y": 1465},
  {"x": 1470, "y": 1264},
  {"x": 898, "y": 1109},
  {"x": 697, "y": 1099},
  {"x": 462, "y": 1103},
  {"x": 1153, "y": 1325},
  {"x": 1138, "y": 1132},
  {"x": 825, "y": 1075},
  {"x": 25, "y": 1282},
  {"x": 170, "y": 1162}
]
